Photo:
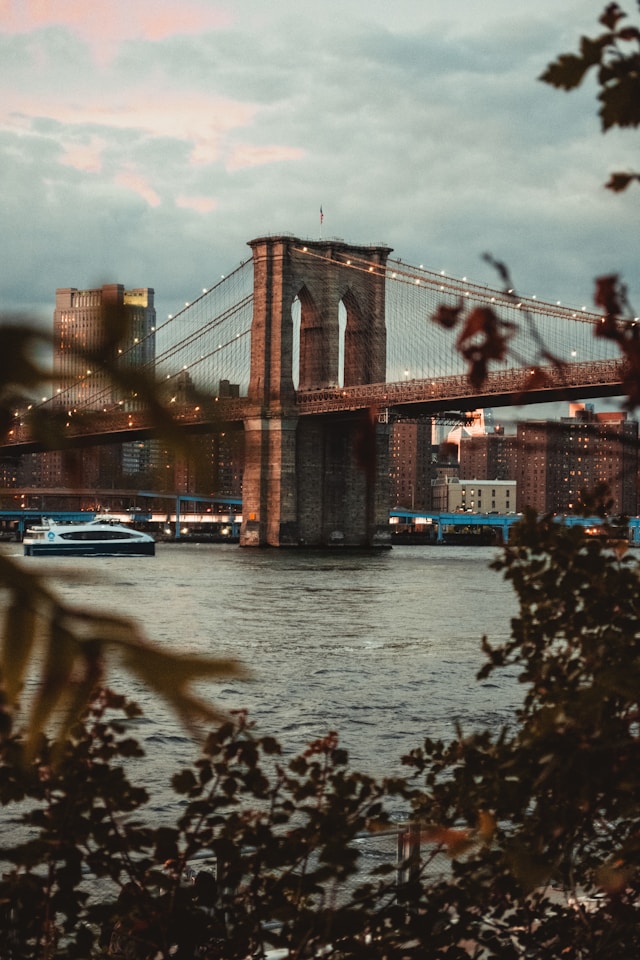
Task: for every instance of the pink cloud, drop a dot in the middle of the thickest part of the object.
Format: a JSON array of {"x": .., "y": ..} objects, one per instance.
[
  {"x": 205, "y": 151},
  {"x": 134, "y": 181},
  {"x": 199, "y": 204},
  {"x": 249, "y": 155},
  {"x": 201, "y": 121},
  {"x": 84, "y": 156},
  {"x": 103, "y": 26}
]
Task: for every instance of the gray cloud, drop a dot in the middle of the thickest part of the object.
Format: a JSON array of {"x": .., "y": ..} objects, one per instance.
[{"x": 430, "y": 133}]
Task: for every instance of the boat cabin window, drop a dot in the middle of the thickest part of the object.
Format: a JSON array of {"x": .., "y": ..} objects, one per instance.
[{"x": 99, "y": 535}]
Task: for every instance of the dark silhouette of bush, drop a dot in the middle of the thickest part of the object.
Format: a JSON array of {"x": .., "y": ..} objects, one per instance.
[{"x": 529, "y": 835}]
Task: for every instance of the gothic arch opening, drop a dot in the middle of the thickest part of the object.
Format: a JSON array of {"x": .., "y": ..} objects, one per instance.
[
  {"x": 357, "y": 366},
  {"x": 314, "y": 345},
  {"x": 296, "y": 314},
  {"x": 342, "y": 329}
]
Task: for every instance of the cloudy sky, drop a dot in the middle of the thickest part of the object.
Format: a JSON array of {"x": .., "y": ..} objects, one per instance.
[{"x": 146, "y": 141}]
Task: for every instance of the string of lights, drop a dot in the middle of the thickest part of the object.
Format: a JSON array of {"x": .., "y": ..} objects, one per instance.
[{"x": 208, "y": 341}]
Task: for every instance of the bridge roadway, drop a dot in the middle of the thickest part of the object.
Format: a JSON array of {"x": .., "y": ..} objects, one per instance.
[{"x": 511, "y": 387}]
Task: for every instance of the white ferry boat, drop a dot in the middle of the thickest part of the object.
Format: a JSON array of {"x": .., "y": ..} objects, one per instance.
[{"x": 101, "y": 537}]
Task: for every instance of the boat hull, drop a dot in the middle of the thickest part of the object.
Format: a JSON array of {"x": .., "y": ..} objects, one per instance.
[{"x": 87, "y": 549}]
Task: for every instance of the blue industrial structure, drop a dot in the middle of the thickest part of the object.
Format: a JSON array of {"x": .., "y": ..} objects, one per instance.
[
  {"x": 18, "y": 520},
  {"x": 434, "y": 527},
  {"x": 442, "y": 523}
]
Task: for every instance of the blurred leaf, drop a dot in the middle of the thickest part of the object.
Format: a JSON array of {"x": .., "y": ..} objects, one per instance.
[
  {"x": 484, "y": 337},
  {"x": 60, "y": 659},
  {"x": 620, "y": 104},
  {"x": 456, "y": 842},
  {"x": 447, "y": 316},
  {"x": 620, "y": 181},
  {"x": 18, "y": 638},
  {"x": 78, "y": 643},
  {"x": 21, "y": 348},
  {"x": 567, "y": 72},
  {"x": 171, "y": 677},
  {"x": 611, "y": 16},
  {"x": 614, "y": 876},
  {"x": 78, "y": 646},
  {"x": 486, "y": 825}
]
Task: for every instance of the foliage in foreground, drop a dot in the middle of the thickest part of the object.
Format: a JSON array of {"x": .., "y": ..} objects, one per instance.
[
  {"x": 614, "y": 57},
  {"x": 539, "y": 820},
  {"x": 77, "y": 645}
]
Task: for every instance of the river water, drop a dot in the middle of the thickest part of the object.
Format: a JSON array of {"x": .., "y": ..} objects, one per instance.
[{"x": 382, "y": 647}]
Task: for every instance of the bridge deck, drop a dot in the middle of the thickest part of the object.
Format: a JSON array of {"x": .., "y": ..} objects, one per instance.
[{"x": 427, "y": 397}]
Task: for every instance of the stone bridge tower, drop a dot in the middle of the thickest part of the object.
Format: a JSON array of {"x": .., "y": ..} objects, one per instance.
[{"x": 318, "y": 317}]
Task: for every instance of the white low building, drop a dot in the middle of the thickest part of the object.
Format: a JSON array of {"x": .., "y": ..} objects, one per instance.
[{"x": 451, "y": 494}]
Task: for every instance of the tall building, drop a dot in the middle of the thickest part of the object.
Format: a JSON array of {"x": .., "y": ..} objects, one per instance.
[
  {"x": 107, "y": 322},
  {"x": 410, "y": 464},
  {"x": 90, "y": 326}
]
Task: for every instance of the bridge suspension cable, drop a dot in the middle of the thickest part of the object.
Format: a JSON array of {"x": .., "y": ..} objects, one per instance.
[
  {"x": 208, "y": 339},
  {"x": 419, "y": 348}
]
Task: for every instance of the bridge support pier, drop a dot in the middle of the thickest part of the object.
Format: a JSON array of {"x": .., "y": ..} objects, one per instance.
[
  {"x": 269, "y": 486},
  {"x": 343, "y": 481},
  {"x": 314, "y": 480}
]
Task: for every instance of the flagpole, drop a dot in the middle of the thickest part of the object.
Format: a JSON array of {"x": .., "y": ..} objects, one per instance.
[{"x": 321, "y": 220}]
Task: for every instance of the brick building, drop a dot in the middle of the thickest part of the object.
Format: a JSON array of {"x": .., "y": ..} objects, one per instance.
[
  {"x": 488, "y": 456},
  {"x": 109, "y": 321},
  {"x": 410, "y": 464},
  {"x": 555, "y": 460}
]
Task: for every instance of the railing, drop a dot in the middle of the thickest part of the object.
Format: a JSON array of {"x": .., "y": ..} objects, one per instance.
[
  {"x": 517, "y": 382},
  {"x": 119, "y": 423}
]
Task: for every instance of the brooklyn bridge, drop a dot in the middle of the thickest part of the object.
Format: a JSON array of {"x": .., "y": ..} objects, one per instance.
[{"x": 313, "y": 348}]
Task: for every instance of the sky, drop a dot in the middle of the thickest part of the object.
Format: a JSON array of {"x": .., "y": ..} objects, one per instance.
[{"x": 145, "y": 142}]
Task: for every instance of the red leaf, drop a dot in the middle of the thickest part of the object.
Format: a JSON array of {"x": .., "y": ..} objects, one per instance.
[
  {"x": 629, "y": 33},
  {"x": 479, "y": 320},
  {"x": 611, "y": 16},
  {"x": 446, "y": 316},
  {"x": 620, "y": 181},
  {"x": 608, "y": 328},
  {"x": 607, "y": 294},
  {"x": 537, "y": 379}
]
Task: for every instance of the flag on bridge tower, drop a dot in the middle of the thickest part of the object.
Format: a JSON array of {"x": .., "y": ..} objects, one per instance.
[{"x": 321, "y": 215}]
